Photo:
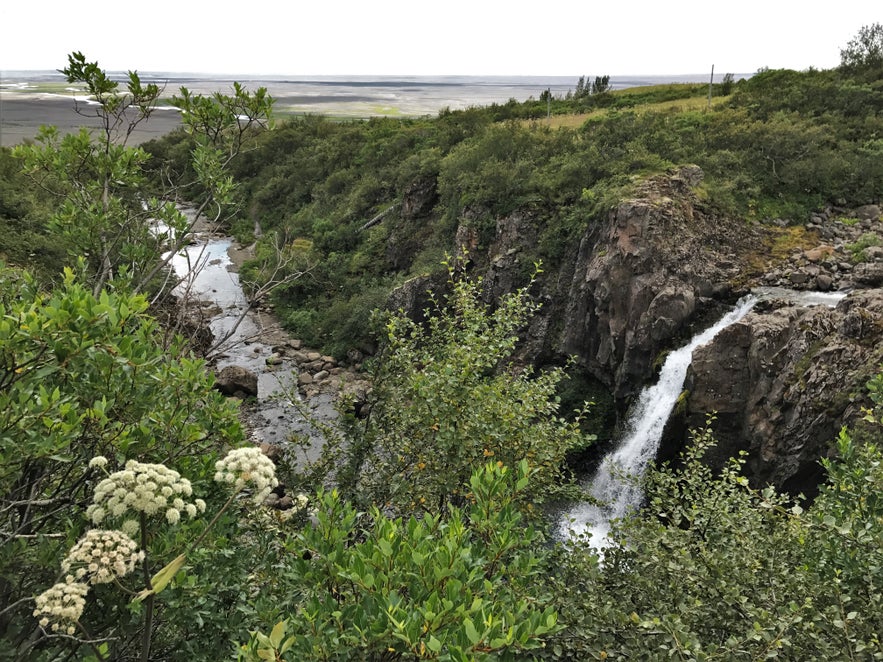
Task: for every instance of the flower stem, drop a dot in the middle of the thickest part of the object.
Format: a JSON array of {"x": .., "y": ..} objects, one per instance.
[
  {"x": 148, "y": 603},
  {"x": 212, "y": 523}
]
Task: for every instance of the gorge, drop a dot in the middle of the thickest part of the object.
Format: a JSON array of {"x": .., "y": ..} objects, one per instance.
[
  {"x": 659, "y": 269},
  {"x": 492, "y": 269}
]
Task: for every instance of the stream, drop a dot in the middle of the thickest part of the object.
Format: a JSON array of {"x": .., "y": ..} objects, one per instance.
[{"x": 208, "y": 275}]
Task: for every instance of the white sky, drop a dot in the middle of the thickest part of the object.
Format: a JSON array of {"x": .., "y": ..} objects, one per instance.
[{"x": 411, "y": 37}]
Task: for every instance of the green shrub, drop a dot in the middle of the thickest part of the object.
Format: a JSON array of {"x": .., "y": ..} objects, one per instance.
[
  {"x": 858, "y": 248},
  {"x": 458, "y": 586}
]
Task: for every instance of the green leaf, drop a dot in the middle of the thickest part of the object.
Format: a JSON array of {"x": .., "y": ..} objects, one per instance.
[
  {"x": 278, "y": 633},
  {"x": 471, "y": 633},
  {"x": 162, "y": 578}
]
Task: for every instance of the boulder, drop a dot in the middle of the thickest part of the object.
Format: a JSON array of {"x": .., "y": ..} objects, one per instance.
[
  {"x": 867, "y": 212},
  {"x": 868, "y": 274},
  {"x": 819, "y": 253},
  {"x": 236, "y": 380},
  {"x": 824, "y": 282}
]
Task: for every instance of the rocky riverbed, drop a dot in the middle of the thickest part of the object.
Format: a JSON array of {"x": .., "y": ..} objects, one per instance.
[
  {"x": 848, "y": 253},
  {"x": 282, "y": 383}
]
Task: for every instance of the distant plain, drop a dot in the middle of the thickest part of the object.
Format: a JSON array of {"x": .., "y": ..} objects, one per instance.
[{"x": 31, "y": 99}]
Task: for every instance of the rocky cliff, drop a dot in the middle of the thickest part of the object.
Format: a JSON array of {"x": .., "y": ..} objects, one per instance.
[
  {"x": 634, "y": 284},
  {"x": 660, "y": 267},
  {"x": 784, "y": 380},
  {"x": 646, "y": 277}
]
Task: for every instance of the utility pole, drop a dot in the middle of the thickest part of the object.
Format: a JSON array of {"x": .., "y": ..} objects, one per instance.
[
  {"x": 710, "y": 83},
  {"x": 549, "y": 104},
  {"x": 1, "y": 109}
]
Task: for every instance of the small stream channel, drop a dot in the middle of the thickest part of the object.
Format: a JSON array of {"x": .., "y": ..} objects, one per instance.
[{"x": 209, "y": 276}]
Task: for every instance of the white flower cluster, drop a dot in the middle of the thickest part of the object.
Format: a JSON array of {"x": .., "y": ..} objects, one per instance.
[
  {"x": 143, "y": 488},
  {"x": 101, "y": 556},
  {"x": 62, "y": 605},
  {"x": 247, "y": 465},
  {"x": 301, "y": 501},
  {"x": 98, "y": 462}
]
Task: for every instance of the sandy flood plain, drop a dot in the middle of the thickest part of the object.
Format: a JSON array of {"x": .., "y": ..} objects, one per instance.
[{"x": 22, "y": 115}]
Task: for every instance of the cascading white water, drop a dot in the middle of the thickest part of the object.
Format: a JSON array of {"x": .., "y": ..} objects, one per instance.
[{"x": 613, "y": 485}]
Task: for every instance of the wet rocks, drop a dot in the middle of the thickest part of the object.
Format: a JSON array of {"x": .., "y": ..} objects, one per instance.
[
  {"x": 322, "y": 374},
  {"x": 784, "y": 380},
  {"x": 838, "y": 262},
  {"x": 237, "y": 381}
]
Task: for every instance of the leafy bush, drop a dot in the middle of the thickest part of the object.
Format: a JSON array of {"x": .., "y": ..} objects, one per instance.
[
  {"x": 86, "y": 375},
  {"x": 446, "y": 398},
  {"x": 458, "y": 586},
  {"x": 857, "y": 248},
  {"x": 713, "y": 569}
]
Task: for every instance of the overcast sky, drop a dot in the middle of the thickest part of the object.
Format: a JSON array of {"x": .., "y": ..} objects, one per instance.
[{"x": 413, "y": 37}]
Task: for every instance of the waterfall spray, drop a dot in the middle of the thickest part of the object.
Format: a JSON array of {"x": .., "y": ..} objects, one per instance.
[{"x": 615, "y": 484}]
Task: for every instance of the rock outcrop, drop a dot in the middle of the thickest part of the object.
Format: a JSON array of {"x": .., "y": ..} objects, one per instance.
[
  {"x": 661, "y": 267},
  {"x": 633, "y": 285},
  {"x": 784, "y": 380}
]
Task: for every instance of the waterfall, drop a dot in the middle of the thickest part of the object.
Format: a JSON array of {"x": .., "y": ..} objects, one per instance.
[{"x": 613, "y": 484}]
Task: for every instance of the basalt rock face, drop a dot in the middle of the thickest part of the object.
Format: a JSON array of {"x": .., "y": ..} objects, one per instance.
[
  {"x": 784, "y": 380},
  {"x": 627, "y": 290},
  {"x": 634, "y": 283},
  {"x": 414, "y": 225},
  {"x": 661, "y": 267}
]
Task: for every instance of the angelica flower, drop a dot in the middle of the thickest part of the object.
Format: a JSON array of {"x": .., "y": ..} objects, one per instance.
[
  {"x": 101, "y": 556},
  {"x": 98, "y": 462},
  {"x": 242, "y": 466},
  {"x": 142, "y": 488},
  {"x": 130, "y": 527},
  {"x": 61, "y": 606}
]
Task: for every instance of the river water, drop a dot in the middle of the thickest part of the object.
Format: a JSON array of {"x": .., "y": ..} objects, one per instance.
[{"x": 209, "y": 276}]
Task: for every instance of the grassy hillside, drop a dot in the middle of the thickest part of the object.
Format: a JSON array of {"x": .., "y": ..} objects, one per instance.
[
  {"x": 781, "y": 145},
  {"x": 436, "y": 542}
]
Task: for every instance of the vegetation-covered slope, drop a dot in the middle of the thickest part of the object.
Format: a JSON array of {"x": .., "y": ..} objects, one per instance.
[
  {"x": 435, "y": 543},
  {"x": 783, "y": 145}
]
